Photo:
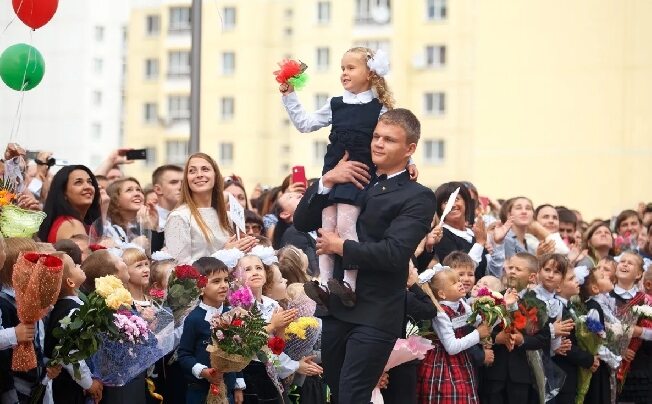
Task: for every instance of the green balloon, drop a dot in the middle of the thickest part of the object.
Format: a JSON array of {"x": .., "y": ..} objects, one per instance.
[{"x": 21, "y": 67}]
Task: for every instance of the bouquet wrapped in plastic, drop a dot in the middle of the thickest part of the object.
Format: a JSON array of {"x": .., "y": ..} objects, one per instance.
[
  {"x": 236, "y": 337},
  {"x": 590, "y": 334},
  {"x": 128, "y": 353},
  {"x": 405, "y": 350},
  {"x": 183, "y": 291},
  {"x": 644, "y": 314},
  {"x": 37, "y": 281},
  {"x": 490, "y": 306},
  {"x": 292, "y": 73},
  {"x": 301, "y": 336}
]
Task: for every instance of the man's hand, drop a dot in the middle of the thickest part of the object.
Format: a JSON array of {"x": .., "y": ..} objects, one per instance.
[
  {"x": 346, "y": 171},
  {"x": 414, "y": 173},
  {"x": 25, "y": 332},
  {"x": 329, "y": 243}
]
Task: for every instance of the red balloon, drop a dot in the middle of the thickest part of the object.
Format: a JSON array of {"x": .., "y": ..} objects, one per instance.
[{"x": 35, "y": 13}]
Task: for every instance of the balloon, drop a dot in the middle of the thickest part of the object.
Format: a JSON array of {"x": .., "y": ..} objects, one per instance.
[
  {"x": 21, "y": 67},
  {"x": 35, "y": 13}
]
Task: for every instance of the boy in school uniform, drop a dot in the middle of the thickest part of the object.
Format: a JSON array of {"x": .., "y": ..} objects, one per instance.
[{"x": 193, "y": 357}]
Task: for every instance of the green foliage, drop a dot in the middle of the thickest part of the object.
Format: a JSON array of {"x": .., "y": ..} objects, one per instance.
[{"x": 239, "y": 332}]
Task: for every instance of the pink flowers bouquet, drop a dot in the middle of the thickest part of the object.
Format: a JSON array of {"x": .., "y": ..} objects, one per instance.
[{"x": 131, "y": 327}]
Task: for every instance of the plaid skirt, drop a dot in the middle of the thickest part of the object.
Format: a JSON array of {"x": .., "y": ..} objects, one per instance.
[{"x": 444, "y": 378}]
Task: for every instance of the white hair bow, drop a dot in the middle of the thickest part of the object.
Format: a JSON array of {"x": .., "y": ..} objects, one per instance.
[
  {"x": 379, "y": 63},
  {"x": 161, "y": 256},
  {"x": 428, "y": 274},
  {"x": 229, "y": 257},
  {"x": 116, "y": 252},
  {"x": 266, "y": 254},
  {"x": 581, "y": 272},
  {"x": 132, "y": 245}
]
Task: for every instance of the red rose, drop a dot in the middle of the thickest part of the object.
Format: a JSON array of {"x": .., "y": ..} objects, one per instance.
[
  {"x": 157, "y": 293},
  {"x": 237, "y": 322},
  {"x": 202, "y": 281},
  {"x": 96, "y": 247},
  {"x": 186, "y": 272},
  {"x": 276, "y": 344}
]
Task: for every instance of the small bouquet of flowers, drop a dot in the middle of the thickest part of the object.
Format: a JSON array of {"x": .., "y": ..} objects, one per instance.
[
  {"x": 590, "y": 334},
  {"x": 490, "y": 306},
  {"x": 301, "y": 336},
  {"x": 236, "y": 337},
  {"x": 37, "y": 281},
  {"x": 15, "y": 221},
  {"x": 131, "y": 328},
  {"x": 183, "y": 291},
  {"x": 241, "y": 297},
  {"x": 292, "y": 73},
  {"x": 644, "y": 315}
]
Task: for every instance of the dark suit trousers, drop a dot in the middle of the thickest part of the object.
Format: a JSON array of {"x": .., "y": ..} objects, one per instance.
[
  {"x": 402, "y": 387},
  {"x": 508, "y": 393},
  {"x": 354, "y": 357}
]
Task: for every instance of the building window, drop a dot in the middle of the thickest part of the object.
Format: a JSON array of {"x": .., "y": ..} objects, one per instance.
[
  {"x": 228, "y": 63},
  {"x": 229, "y": 18},
  {"x": 323, "y": 12},
  {"x": 375, "y": 45},
  {"x": 151, "y": 69},
  {"x": 287, "y": 31},
  {"x": 96, "y": 130},
  {"x": 433, "y": 152},
  {"x": 434, "y": 103},
  {"x": 176, "y": 151},
  {"x": 226, "y": 153},
  {"x": 436, "y": 10},
  {"x": 318, "y": 151},
  {"x": 152, "y": 25},
  {"x": 179, "y": 64},
  {"x": 435, "y": 55},
  {"x": 150, "y": 111},
  {"x": 98, "y": 65},
  {"x": 150, "y": 156},
  {"x": 320, "y": 100},
  {"x": 99, "y": 33},
  {"x": 288, "y": 13},
  {"x": 376, "y": 12},
  {"x": 97, "y": 98},
  {"x": 323, "y": 58},
  {"x": 178, "y": 108},
  {"x": 179, "y": 20},
  {"x": 227, "y": 108}
]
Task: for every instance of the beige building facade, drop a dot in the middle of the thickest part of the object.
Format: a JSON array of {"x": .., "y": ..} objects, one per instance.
[{"x": 551, "y": 101}]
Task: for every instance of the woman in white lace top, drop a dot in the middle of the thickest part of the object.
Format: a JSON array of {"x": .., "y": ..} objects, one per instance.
[{"x": 199, "y": 226}]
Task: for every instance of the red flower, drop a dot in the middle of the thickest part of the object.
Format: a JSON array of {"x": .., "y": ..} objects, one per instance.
[
  {"x": 186, "y": 272},
  {"x": 96, "y": 247},
  {"x": 157, "y": 293},
  {"x": 202, "y": 281},
  {"x": 237, "y": 322},
  {"x": 276, "y": 344}
]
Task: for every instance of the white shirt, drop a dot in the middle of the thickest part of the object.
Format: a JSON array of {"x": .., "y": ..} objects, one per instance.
[
  {"x": 184, "y": 239},
  {"x": 324, "y": 190},
  {"x": 286, "y": 365},
  {"x": 626, "y": 294},
  {"x": 162, "y": 216},
  {"x": 445, "y": 329}
]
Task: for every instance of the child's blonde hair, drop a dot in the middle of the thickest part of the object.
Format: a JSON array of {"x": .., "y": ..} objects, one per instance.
[
  {"x": 159, "y": 271},
  {"x": 132, "y": 255},
  {"x": 438, "y": 282},
  {"x": 492, "y": 282},
  {"x": 378, "y": 83}
]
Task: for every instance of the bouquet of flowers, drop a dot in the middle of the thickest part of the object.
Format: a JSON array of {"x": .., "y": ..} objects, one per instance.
[
  {"x": 405, "y": 350},
  {"x": 590, "y": 334},
  {"x": 301, "y": 336},
  {"x": 490, "y": 306},
  {"x": 15, "y": 221},
  {"x": 292, "y": 73},
  {"x": 236, "y": 336},
  {"x": 37, "y": 281},
  {"x": 131, "y": 328},
  {"x": 644, "y": 315},
  {"x": 241, "y": 297},
  {"x": 183, "y": 291}
]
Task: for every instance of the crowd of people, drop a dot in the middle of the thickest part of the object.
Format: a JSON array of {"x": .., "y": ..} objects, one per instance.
[{"x": 378, "y": 257}]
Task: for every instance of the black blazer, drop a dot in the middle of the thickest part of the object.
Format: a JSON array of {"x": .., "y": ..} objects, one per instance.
[
  {"x": 450, "y": 242},
  {"x": 395, "y": 216},
  {"x": 574, "y": 358},
  {"x": 304, "y": 242}
]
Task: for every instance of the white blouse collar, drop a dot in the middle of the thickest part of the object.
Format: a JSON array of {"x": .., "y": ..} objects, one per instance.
[
  {"x": 626, "y": 294},
  {"x": 211, "y": 311},
  {"x": 466, "y": 234},
  {"x": 360, "y": 98}
]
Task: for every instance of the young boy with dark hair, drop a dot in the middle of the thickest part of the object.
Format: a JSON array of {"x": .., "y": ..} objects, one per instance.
[{"x": 193, "y": 357}]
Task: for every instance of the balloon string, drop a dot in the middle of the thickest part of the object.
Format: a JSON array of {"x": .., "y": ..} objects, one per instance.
[
  {"x": 15, "y": 127},
  {"x": 14, "y": 18}
]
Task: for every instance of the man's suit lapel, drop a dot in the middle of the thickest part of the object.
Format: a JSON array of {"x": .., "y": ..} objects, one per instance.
[{"x": 388, "y": 186}]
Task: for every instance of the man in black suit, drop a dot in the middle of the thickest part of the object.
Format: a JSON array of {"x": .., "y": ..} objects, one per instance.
[{"x": 395, "y": 216}]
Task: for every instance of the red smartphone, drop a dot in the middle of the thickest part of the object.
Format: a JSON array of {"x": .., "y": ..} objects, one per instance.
[{"x": 299, "y": 175}]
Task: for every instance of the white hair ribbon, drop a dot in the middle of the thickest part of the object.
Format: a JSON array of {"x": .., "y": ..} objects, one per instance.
[
  {"x": 161, "y": 256},
  {"x": 266, "y": 254},
  {"x": 428, "y": 274},
  {"x": 229, "y": 257},
  {"x": 379, "y": 63},
  {"x": 581, "y": 272}
]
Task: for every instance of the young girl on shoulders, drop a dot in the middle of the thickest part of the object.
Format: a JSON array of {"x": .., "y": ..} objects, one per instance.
[{"x": 447, "y": 374}]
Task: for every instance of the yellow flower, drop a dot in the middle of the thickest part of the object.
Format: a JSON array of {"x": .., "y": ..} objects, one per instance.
[
  {"x": 5, "y": 197},
  {"x": 119, "y": 297},
  {"x": 299, "y": 326},
  {"x": 106, "y": 285}
]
